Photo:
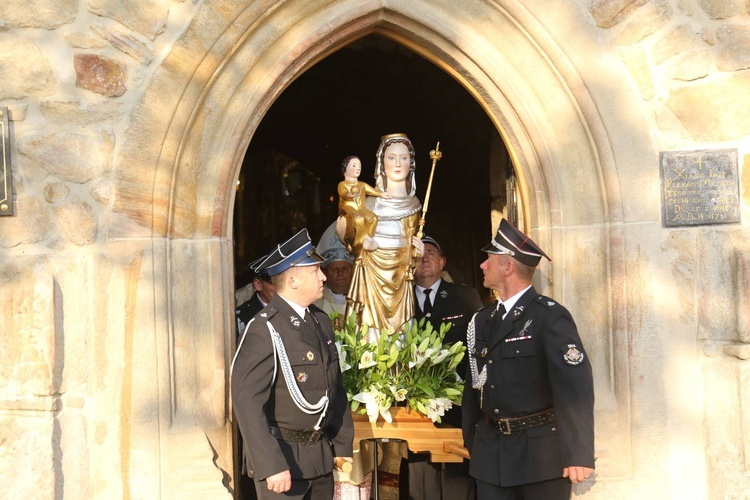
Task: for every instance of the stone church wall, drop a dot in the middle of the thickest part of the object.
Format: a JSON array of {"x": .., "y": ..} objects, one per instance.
[{"x": 107, "y": 392}]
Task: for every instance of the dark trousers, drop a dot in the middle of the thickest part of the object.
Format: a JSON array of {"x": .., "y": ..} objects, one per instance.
[
  {"x": 428, "y": 481},
  {"x": 317, "y": 488},
  {"x": 554, "y": 489}
]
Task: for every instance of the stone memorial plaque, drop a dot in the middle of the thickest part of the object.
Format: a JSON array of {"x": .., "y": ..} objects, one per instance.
[
  {"x": 699, "y": 187},
  {"x": 6, "y": 186}
]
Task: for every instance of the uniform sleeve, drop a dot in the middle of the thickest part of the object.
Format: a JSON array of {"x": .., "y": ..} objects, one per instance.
[
  {"x": 251, "y": 390},
  {"x": 572, "y": 384},
  {"x": 339, "y": 427},
  {"x": 470, "y": 411}
]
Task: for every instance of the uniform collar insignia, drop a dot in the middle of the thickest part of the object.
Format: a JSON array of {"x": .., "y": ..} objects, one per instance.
[
  {"x": 517, "y": 311},
  {"x": 294, "y": 320},
  {"x": 264, "y": 315},
  {"x": 443, "y": 294}
]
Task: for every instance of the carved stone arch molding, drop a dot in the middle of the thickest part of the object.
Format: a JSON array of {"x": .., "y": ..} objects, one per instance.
[{"x": 554, "y": 92}]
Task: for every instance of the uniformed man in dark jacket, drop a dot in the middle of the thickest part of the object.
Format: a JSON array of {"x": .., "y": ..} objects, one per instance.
[
  {"x": 264, "y": 290},
  {"x": 440, "y": 301},
  {"x": 288, "y": 397},
  {"x": 528, "y": 403}
]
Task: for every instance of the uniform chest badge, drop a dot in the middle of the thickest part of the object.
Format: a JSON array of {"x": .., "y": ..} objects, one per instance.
[
  {"x": 443, "y": 294},
  {"x": 310, "y": 356},
  {"x": 302, "y": 377},
  {"x": 573, "y": 356},
  {"x": 295, "y": 321}
]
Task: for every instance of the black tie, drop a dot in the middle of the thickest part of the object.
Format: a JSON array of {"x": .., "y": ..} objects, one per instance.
[
  {"x": 501, "y": 310},
  {"x": 427, "y": 308},
  {"x": 497, "y": 317},
  {"x": 310, "y": 321},
  {"x": 313, "y": 324}
]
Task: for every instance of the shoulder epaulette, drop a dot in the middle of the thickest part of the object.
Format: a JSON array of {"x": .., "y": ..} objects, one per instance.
[
  {"x": 546, "y": 301},
  {"x": 267, "y": 312},
  {"x": 491, "y": 305}
]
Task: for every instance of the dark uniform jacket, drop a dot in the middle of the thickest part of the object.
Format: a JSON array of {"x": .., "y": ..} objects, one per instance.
[
  {"x": 455, "y": 304},
  {"x": 535, "y": 361},
  {"x": 261, "y": 401},
  {"x": 245, "y": 312}
]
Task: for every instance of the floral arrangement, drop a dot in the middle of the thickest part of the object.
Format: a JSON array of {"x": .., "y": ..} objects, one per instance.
[{"x": 411, "y": 368}]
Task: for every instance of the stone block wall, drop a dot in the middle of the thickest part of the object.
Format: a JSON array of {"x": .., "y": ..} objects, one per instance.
[{"x": 96, "y": 399}]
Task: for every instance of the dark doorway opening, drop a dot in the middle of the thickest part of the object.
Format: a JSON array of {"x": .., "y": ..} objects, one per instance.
[{"x": 342, "y": 106}]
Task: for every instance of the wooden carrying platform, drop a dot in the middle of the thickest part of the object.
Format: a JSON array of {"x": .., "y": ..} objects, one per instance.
[{"x": 421, "y": 435}]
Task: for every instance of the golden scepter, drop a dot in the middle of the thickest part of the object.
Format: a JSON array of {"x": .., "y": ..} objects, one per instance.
[{"x": 435, "y": 155}]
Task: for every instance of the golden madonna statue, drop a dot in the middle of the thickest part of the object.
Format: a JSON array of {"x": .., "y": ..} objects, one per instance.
[{"x": 381, "y": 291}]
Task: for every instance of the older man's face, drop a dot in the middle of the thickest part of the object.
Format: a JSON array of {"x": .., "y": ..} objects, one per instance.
[
  {"x": 339, "y": 275},
  {"x": 430, "y": 266}
]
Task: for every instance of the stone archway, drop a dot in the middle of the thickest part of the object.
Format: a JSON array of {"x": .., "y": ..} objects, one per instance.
[{"x": 531, "y": 67}]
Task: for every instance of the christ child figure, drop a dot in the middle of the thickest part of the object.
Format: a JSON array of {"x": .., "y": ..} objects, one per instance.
[{"x": 360, "y": 221}]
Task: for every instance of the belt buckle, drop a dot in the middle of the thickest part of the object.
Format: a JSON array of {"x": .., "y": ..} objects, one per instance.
[
  {"x": 504, "y": 426},
  {"x": 314, "y": 437}
]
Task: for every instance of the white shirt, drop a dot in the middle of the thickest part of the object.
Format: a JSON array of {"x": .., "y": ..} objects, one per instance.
[
  {"x": 512, "y": 301},
  {"x": 421, "y": 296},
  {"x": 297, "y": 308}
]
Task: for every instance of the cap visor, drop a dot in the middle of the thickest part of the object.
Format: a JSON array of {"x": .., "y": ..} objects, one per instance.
[{"x": 310, "y": 260}]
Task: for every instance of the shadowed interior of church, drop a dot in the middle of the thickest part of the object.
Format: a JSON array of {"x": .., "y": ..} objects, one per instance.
[{"x": 342, "y": 106}]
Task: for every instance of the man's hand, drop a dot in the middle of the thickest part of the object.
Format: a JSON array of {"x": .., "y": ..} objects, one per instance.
[
  {"x": 577, "y": 474},
  {"x": 279, "y": 483}
]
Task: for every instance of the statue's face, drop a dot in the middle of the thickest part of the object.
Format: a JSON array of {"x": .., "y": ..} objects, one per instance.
[
  {"x": 396, "y": 162},
  {"x": 353, "y": 168}
]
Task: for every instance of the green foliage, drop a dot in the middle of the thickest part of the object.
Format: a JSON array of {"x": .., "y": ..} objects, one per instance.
[{"x": 412, "y": 367}]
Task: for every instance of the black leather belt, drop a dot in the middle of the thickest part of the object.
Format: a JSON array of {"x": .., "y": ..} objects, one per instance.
[
  {"x": 510, "y": 425},
  {"x": 307, "y": 437}
]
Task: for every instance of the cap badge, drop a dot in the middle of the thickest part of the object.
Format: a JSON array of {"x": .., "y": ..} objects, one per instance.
[
  {"x": 310, "y": 356},
  {"x": 302, "y": 377},
  {"x": 443, "y": 294},
  {"x": 295, "y": 321},
  {"x": 573, "y": 356}
]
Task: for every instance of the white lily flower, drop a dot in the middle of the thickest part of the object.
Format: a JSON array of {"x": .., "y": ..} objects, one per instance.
[
  {"x": 374, "y": 402},
  {"x": 437, "y": 408},
  {"x": 398, "y": 395},
  {"x": 343, "y": 363},
  {"x": 367, "y": 360},
  {"x": 440, "y": 356}
]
